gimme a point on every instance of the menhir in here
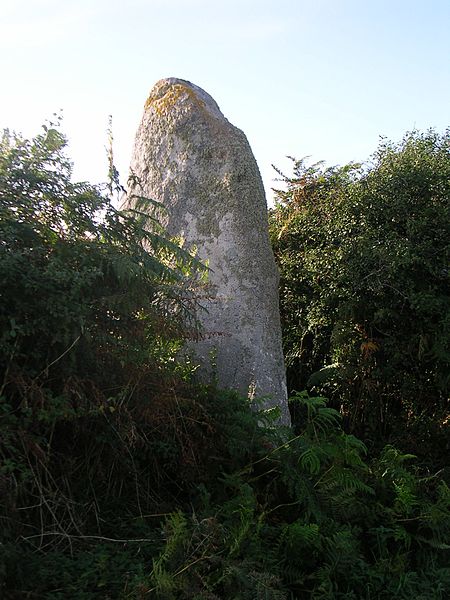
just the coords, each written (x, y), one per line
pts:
(191, 159)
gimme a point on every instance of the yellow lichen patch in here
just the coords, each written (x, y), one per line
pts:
(171, 97)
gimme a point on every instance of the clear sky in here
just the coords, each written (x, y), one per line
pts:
(323, 78)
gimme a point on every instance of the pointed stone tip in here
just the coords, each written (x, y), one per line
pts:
(172, 90)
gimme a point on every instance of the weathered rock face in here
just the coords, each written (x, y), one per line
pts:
(189, 157)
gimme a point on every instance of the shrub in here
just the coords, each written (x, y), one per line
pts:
(364, 259)
(93, 305)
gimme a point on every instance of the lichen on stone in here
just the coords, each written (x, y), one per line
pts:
(175, 93)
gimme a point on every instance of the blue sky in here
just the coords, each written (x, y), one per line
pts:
(323, 78)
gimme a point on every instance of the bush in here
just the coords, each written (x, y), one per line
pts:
(364, 259)
(93, 305)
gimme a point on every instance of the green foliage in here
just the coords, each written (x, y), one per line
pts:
(251, 525)
(120, 479)
(364, 260)
(94, 302)
(258, 534)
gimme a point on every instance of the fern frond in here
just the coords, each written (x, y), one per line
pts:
(310, 461)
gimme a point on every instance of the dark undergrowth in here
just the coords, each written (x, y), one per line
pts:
(200, 497)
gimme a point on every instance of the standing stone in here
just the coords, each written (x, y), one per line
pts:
(190, 158)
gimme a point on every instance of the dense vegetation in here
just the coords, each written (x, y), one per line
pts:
(364, 256)
(122, 479)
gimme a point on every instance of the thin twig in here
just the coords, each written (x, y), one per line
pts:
(59, 357)
(5, 378)
(185, 568)
(88, 537)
